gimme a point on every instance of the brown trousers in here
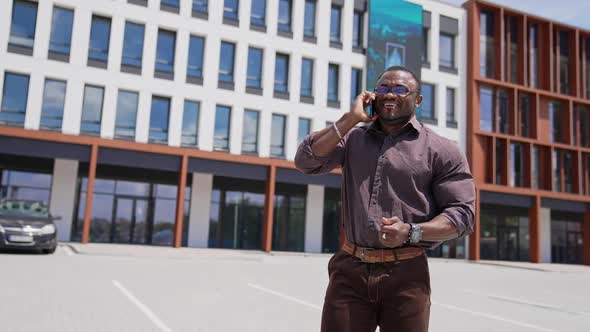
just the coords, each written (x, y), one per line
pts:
(361, 296)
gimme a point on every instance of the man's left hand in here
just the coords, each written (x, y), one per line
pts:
(394, 232)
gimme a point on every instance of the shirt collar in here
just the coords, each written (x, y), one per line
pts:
(413, 122)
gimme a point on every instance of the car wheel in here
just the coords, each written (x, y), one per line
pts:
(49, 251)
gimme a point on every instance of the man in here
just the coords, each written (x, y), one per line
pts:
(404, 189)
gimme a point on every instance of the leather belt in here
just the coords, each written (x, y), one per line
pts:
(373, 255)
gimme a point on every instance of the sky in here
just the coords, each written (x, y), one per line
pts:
(570, 12)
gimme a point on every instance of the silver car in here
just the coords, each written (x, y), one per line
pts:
(27, 225)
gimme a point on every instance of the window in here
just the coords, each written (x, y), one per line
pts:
(127, 102)
(584, 115)
(254, 76)
(451, 120)
(226, 62)
(516, 165)
(60, 40)
(563, 61)
(230, 10)
(333, 78)
(165, 53)
(258, 13)
(52, 110)
(277, 136)
(587, 46)
(250, 132)
(486, 44)
(133, 45)
(92, 110)
(512, 44)
(535, 163)
(196, 48)
(425, 61)
(282, 73)
(170, 5)
(221, 134)
(190, 123)
(14, 99)
(427, 112)
(447, 51)
(533, 56)
(307, 77)
(284, 23)
(557, 161)
(98, 51)
(356, 83)
(500, 160)
(357, 30)
(200, 9)
(25, 185)
(524, 108)
(159, 117)
(22, 29)
(567, 170)
(335, 18)
(309, 19)
(304, 129)
(503, 111)
(556, 118)
(486, 109)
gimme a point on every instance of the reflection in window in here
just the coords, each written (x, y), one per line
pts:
(284, 22)
(567, 240)
(425, 32)
(567, 170)
(62, 21)
(230, 9)
(159, 117)
(52, 109)
(533, 55)
(587, 46)
(536, 165)
(289, 219)
(309, 18)
(221, 133)
(201, 6)
(500, 160)
(100, 32)
(226, 62)
(447, 50)
(277, 136)
(133, 45)
(512, 48)
(331, 220)
(25, 186)
(195, 56)
(254, 76)
(14, 99)
(333, 82)
(335, 17)
(92, 110)
(165, 51)
(356, 83)
(303, 130)
(190, 123)
(556, 167)
(504, 232)
(258, 13)
(127, 103)
(556, 118)
(584, 115)
(486, 109)
(503, 111)
(524, 108)
(357, 29)
(562, 60)
(24, 21)
(282, 73)
(307, 77)
(486, 44)
(451, 107)
(170, 3)
(427, 111)
(250, 132)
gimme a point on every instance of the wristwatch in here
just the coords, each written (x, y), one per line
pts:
(415, 234)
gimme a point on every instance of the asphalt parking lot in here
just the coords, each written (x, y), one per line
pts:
(135, 288)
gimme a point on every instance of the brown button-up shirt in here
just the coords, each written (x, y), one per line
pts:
(413, 174)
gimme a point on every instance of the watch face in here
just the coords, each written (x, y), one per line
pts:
(416, 234)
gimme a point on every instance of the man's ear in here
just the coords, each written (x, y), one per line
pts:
(419, 100)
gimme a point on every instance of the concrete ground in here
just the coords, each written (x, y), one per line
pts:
(103, 287)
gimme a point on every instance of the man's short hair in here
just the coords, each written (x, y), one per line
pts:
(402, 68)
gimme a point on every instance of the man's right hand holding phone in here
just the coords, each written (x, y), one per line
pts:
(359, 107)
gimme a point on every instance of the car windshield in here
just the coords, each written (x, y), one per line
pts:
(26, 209)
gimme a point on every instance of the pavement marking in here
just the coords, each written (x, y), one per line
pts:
(521, 301)
(482, 314)
(150, 314)
(285, 296)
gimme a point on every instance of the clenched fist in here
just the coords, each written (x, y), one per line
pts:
(394, 232)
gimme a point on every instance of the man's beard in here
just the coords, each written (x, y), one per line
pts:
(395, 119)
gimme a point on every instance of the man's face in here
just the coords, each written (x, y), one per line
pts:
(393, 108)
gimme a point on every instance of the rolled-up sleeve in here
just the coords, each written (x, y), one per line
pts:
(453, 188)
(307, 162)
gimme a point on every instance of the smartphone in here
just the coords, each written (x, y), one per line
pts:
(373, 109)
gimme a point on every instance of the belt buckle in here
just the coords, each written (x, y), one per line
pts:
(362, 252)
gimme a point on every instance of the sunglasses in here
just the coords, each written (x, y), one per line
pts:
(400, 90)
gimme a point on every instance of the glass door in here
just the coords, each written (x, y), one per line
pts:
(508, 243)
(130, 222)
(140, 221)
(574, 247)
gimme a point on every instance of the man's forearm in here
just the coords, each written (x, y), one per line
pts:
(438, 229)
(326, 140)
